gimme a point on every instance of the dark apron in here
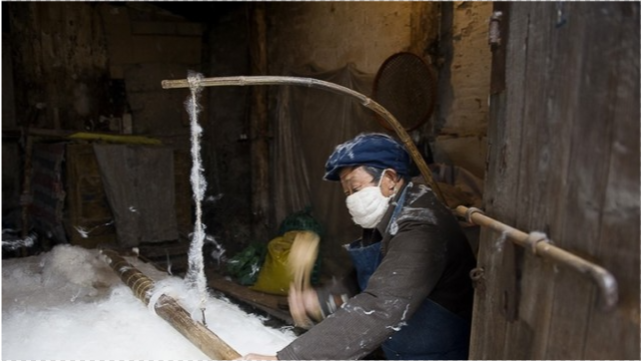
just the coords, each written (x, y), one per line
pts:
(432, 333)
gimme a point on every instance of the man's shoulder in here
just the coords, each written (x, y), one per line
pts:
(418, 205)
(419, 195)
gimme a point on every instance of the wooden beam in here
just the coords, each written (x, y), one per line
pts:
(170, 310)
(270, 304)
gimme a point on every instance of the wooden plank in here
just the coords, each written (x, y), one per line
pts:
(163, 249)
(570, 183)
(259, 126)
(271, 304)
(545, 154)
(504, 136)
(86, 203)
(9, 120)
(615, 335)
(500, 13)
(161, 48)
(184, 210)
(169, 256)
(10, 180)
(583, 193)
(562, 101)
(166, 28)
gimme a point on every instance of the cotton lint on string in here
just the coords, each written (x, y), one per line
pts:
(196, 272)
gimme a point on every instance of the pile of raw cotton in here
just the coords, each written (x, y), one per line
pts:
(68, 304)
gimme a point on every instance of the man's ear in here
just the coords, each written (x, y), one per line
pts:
(392, 178)
(391, 174)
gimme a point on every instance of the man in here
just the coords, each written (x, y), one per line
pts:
(411, 267)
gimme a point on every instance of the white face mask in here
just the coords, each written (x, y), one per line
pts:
(368, 205)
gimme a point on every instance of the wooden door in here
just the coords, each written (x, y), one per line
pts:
(564, 160)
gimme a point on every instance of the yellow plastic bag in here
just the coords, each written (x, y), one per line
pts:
(274, 277)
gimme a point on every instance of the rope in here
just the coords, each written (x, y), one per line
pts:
(534, 238)
(469, 212)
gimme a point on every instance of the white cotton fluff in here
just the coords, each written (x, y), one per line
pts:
(77, 268)
(40, 320)
(12, 241)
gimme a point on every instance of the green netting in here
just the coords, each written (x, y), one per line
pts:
(301, 221)
(245, 265)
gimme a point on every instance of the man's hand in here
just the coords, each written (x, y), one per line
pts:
(303, 304)
(255, 356)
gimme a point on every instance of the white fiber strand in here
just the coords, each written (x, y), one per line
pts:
(11, 242)
(196, 274)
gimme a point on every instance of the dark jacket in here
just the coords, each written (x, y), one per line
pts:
(425, 254)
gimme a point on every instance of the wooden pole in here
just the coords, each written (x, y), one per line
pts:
(259, 126)
(604, 280)
(335, 88)
(170, 310)
(26, 199)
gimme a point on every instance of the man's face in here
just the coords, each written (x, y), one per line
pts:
(354, 179)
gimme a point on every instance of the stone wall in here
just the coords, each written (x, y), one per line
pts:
(462, 114)
(331, 34)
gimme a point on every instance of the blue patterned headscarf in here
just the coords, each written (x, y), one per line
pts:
(369, 149)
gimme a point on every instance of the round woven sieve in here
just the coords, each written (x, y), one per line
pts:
(406, 87)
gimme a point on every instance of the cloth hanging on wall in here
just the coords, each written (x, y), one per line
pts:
(46, 211)
(310, 123)
(139, 183)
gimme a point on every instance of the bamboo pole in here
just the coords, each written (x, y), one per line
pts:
(335, 88)
(604, 280)
(170, 310)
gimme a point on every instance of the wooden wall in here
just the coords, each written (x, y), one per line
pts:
(59, 60)
(564, 160)
(226, 124)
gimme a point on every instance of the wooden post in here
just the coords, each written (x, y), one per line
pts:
(170, 310)
(26, 199)
(259, 127)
